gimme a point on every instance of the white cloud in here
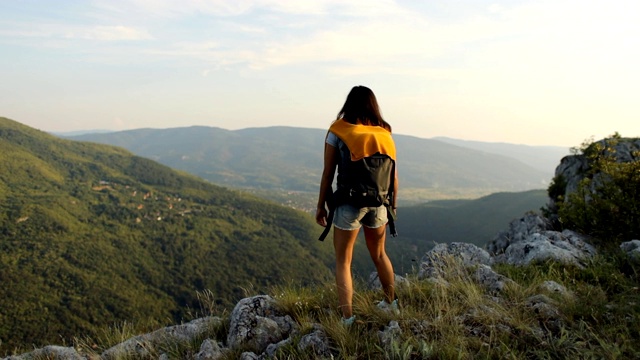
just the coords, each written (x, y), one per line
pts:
(172, 8)
(108, 33)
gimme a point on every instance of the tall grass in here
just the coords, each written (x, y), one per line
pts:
(453, 317)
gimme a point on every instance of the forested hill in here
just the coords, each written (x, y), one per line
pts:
(91, 235)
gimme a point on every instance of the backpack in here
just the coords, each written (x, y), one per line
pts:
(367, 182)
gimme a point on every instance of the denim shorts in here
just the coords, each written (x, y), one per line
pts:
(347, 217)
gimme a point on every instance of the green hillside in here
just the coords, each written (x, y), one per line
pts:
(91, 235)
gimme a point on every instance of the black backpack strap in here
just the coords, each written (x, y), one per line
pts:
(332, 202)
(391, 212)
(391, 216)
(328, 227)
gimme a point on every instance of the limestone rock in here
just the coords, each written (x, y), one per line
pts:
(144, 345)
(567, 247)
(519, 230)
(552, 287)
(546, 311)
(573, 168)
(256, 323)
(433, 263)
(209, 350)
(271, 350)
(51, 352)
(374, 281)
(390, 333)
(249, 356)
(631, 248)
(492, 281)
(316, 342)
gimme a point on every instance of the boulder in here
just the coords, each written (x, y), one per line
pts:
(631, 248)
(316, 342)
(272, 349)
(491, 280)
(144, 345)
(209, 350)
(391, 333)
(434, 263)
(567, 247)
(51, 352)
(519, 230)
(248, 355)
(256, 323)
(574, 168)
(374, 281)
(552, 287)
(546, 311)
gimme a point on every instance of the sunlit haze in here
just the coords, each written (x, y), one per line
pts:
(529, 72)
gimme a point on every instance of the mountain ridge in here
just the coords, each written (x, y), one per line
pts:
(290, 158)
(541, 157)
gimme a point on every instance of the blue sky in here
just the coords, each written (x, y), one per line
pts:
(531, 72)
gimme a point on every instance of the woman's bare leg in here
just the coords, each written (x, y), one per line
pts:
(343, 242)
(375, 243)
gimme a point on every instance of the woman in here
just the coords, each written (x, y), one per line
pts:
(360, 124)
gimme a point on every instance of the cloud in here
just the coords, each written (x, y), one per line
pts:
(51, 30)
(108, 33)
(364, 36)
(178, 8)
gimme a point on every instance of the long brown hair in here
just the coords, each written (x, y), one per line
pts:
(361, 106)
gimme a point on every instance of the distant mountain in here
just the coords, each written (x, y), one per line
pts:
(543, 158)
(81, 132)
(92, 235)
(291, 159)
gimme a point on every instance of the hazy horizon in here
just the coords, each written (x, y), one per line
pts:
(98, 131)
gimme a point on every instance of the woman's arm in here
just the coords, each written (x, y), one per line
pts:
(330, 163)
(394, 204)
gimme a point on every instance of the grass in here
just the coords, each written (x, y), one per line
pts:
(454, 318)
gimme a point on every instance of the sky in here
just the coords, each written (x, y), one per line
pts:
(526, 72)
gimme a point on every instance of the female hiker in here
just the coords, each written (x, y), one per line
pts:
(358, 133)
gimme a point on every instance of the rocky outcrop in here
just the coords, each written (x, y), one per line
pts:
(631, 248)
(50, 352)
(518, 231)
(259, 329)
(434, 263)
(256, 323)
(316, 342)
(573, 168)
(374, 281)
(144, 346)
(530, 239)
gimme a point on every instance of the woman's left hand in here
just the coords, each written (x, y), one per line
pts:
(321, 216)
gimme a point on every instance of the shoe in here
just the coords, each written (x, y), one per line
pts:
(390, 308)
(348, 322)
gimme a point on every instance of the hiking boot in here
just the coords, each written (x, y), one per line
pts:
(348, 322)
(389, 308)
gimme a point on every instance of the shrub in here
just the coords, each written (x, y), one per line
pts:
(606, 204)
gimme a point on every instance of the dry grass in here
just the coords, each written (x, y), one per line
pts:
(454, 317)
